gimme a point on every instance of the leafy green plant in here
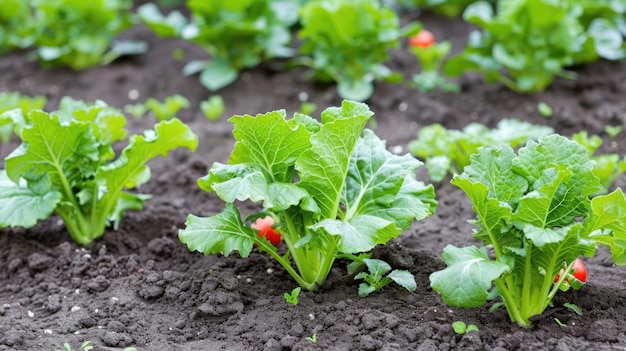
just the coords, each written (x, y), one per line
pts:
(461, 328)
(348, 42)
(534, 213)
(66, 165)
(17, 27)
(213, 108)
(376, 277)
(237, 34)
(80, 34)
(448, 150)
(292, 297)
(431, 55)
(13, 100)
(525, 44)
(331, 187)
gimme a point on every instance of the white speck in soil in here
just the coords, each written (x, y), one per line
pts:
(303, 96)
(270, 271)
(311, 316)
(77, 291)
(31, 314)
(133, 94)
(48, 331)
(75, 308)
(397, 149)
(248, 280)
(403, 106)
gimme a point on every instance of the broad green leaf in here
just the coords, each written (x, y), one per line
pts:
(164, 26)
(467, 280)
(218, 74)
(49, 147)
(21, 206)
(222, 233)
(323, 167)
(374, 176)
(609, 211)
(548, 205)
(382, 184)
(269, 143)
(360, 234)
(403, 278)
(130, 169)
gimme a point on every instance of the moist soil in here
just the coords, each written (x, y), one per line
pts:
(139, 286)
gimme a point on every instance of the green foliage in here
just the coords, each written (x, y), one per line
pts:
(167, 109)
(534, 212)
(525, 44)
(608, 166)
(15, 100)
(449, 8)
(79, 33)
(66, 164)
(448, 151)
(376, 277)
(461, 328)
(544, 109)
(349, 42)
(17, 27)
(431, 60)
(237, 34)
(292, 297)
(326, 201)
(213, 108)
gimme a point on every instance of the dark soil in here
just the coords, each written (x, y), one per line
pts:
(139, 286)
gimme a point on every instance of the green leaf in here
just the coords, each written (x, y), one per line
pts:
(374, 180)
(467, 280)
(323, 169)
(164, 26)
(361, 233)
(609, 211)
(222, 233)
(218, 74)
(53, 148)
(23, 207)
(403, 278)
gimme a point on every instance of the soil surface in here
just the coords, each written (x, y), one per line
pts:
(139, 286)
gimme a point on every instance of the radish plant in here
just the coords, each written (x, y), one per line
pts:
(66, 164)
(330, 187)
(534, 215)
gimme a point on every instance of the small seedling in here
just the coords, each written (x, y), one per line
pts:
(574, 308)
(292, 297)
(213, 108)
(558, 321)
(86, 346)
(461, 328)
(307, 108)
(612, 131)
(167, 109)
(374, 280)
(312, 338)
(544, 109)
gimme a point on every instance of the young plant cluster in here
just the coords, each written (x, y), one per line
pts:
(343, 41)
(66, 164)
(536, 218)
(74, 33)
(525, 44)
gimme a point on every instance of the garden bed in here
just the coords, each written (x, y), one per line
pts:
(139, 286)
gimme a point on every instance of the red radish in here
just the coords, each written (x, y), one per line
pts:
(423, 39)
(264, 226)
(579, 272)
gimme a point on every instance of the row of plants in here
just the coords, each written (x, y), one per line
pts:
(538, 211)
(523, 44)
